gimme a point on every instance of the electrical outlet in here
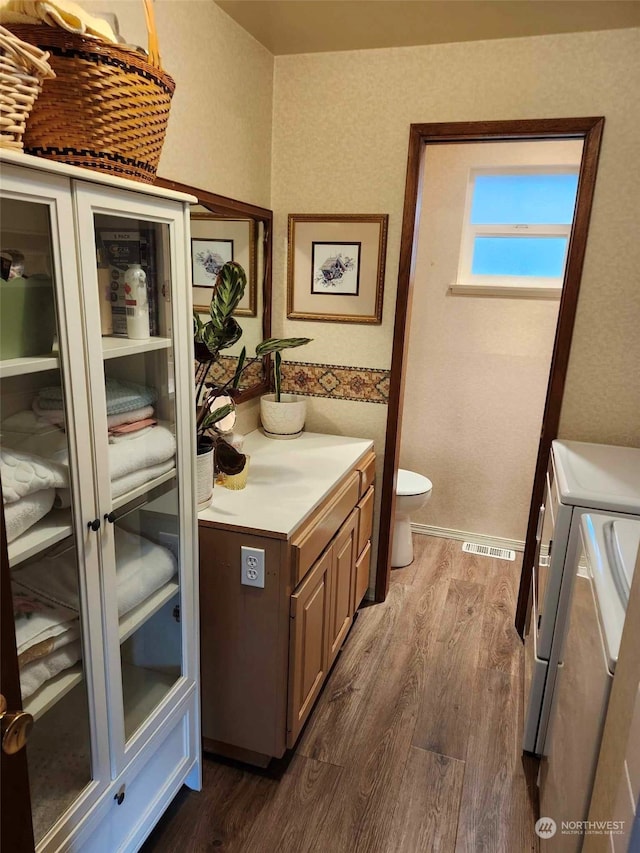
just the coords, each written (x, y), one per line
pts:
(252, 563)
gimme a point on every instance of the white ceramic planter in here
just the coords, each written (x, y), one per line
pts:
(204, 479)
(283, 420)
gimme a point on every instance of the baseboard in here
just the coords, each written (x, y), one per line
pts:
(463, 536)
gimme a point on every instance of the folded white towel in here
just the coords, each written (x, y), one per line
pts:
(33, 675)
(37, 618)
(132, 481)
(49, 441)
(25, 422)
(130, 436)
(157, 446)
(45, 647)
(24, 473)
(23, 514)
(142, 567)
(56, 13)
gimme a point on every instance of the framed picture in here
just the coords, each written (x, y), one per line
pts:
(336, 267)
(214, 241)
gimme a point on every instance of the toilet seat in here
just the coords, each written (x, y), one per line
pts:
(410, 483)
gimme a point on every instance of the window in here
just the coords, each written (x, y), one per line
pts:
(517, 227)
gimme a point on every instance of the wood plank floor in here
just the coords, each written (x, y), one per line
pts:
(414, 744)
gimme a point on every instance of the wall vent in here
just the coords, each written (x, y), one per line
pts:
(488, 551)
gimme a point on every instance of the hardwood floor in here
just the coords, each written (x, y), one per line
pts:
(414, 744)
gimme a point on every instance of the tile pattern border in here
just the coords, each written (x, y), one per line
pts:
(359, 384)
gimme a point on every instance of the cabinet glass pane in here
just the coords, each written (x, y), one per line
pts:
(137, 345)
(38, 506)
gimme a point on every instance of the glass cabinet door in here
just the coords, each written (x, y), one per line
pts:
(142, 422)
(48, 497)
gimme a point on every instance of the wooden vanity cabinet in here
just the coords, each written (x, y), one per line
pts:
(266, 653)
(309, 642)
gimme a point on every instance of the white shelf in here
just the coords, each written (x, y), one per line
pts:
(53, 528)
(118, 347)
(132, 620)
(28, 364)
(53, 690)
(143, 489)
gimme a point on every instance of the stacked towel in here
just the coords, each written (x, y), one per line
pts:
(142, 567)
(29, 484)
(23, 514)
(45, 596)
(123, 398)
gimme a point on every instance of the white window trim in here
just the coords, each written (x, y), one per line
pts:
(468, 282)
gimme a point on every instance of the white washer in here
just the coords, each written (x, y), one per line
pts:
(582, 478)
(583, 683)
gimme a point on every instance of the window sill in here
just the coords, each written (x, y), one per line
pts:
(506, 291)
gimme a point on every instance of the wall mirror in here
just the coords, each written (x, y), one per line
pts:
(223, 229)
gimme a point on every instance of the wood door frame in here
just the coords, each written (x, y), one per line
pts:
(590, 131)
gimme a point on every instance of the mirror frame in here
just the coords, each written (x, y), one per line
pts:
(232, 208)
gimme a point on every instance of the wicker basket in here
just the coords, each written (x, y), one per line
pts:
(106, 109)
(22, 71)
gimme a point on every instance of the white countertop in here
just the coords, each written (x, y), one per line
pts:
(287, 481)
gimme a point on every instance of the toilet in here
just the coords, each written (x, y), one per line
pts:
(412, 493)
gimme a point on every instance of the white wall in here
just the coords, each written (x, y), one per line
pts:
(478, 366)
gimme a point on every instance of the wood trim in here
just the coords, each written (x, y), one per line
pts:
(561, 350)
(590, 130)
(305, 646)
(367, 468)
(231, 207)
(311, 539)
(408, 243)
(16, 830)
(365, 519)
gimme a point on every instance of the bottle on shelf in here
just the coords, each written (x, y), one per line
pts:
(137, 302)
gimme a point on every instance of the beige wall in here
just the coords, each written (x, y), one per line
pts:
(340, 134)
(219, 135)
(478, 366)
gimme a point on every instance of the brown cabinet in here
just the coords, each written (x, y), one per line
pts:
(342, 583)
(309, 643)
(266, 652)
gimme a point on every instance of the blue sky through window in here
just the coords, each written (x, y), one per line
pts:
(522, 256)
(524, 199)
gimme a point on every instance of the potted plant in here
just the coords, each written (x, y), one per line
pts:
(215, 407)
(282, 415)
(215, 410)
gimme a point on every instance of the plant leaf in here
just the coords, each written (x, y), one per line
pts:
(277, 376)
(278, 344)
(239, 368)
(228, 291)
(215, 416)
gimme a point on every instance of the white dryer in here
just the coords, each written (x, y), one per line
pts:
(581, 478)
(584, 676)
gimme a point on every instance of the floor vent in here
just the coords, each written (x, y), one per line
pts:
(488, 551)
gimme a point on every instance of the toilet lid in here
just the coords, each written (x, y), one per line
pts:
(410, 483)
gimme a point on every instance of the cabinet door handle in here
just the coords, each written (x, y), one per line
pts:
(94, 525)
(110, 517)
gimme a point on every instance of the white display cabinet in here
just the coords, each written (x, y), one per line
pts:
(95, 427)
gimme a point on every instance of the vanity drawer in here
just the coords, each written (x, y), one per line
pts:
(311, 541)
(362, 575)
(365, 519)
(367, 469)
